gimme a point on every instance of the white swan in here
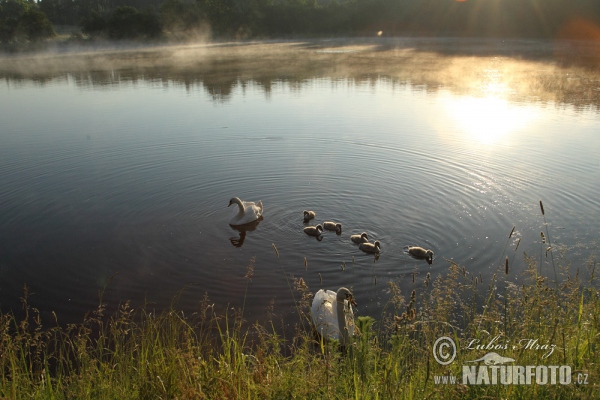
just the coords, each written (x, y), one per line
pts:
(313, 230)
(370, 247)
(332, 313)
(419, 252)
(308, 215)
(248, 211)
(333, 226)
(362, 238)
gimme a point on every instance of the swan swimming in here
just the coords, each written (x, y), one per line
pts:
(333, 226)
(313, 230)
(248, 211)
(308, 215)
(421, 253)
(370, 247)
(330, 311)
(362, 238)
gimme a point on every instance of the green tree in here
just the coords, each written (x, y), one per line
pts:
(21, 19)
(93, 25)
(178, 16)
(35, 26)
(10, 12)
(127, 22)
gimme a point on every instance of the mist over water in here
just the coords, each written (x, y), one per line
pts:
(117, 168)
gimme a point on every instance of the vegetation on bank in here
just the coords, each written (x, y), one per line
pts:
(140, 354)
(23, 21)
(29, 20)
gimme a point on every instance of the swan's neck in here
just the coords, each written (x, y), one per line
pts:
(240, 206)
(342, 322)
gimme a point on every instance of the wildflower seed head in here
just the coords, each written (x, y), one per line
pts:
(250, 269)
(302, 284)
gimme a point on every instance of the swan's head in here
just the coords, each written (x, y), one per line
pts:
(305, 213)
(429, 253)
(338, 227)
(377, 244)
(319, 228)
(345, 294)
(364, 236)
(234, 200)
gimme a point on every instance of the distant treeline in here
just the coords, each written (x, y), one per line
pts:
(127, 19)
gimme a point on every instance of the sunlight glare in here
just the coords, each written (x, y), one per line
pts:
(487, 120)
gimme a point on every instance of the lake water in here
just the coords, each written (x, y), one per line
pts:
(117, 168)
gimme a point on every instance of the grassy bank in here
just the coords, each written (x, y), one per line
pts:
(139, 354)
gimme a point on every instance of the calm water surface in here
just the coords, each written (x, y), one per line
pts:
(117, 168)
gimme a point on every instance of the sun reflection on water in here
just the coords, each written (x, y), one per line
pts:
(488, 120)
(488, 117)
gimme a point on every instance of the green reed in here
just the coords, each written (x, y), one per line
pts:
(139, 354)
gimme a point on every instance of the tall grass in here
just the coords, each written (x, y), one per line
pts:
(139, 354)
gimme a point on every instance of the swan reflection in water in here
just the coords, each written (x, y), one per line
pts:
(242, 229)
